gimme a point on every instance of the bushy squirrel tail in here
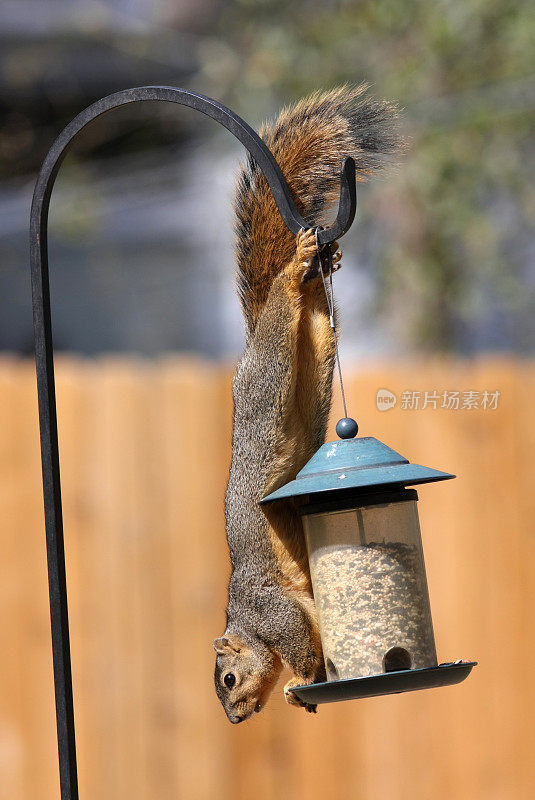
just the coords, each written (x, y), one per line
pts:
(309, 140)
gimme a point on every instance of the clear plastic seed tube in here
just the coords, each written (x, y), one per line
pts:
(370, 589)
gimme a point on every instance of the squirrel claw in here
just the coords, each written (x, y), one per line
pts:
(337, 257)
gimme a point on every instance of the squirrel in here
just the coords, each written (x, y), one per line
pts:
(282, 391)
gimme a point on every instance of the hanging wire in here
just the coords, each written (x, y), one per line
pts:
(329, 295)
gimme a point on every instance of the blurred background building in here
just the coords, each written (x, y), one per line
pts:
(442, 255)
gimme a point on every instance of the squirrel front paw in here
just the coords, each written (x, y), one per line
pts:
(337, 257)
(292, 698)
(306, 262)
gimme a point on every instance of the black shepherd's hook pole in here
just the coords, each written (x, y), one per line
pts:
(45, 360)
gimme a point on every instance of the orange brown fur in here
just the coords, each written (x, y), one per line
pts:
(310, 141)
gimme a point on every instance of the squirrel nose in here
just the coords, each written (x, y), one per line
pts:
(235, 720)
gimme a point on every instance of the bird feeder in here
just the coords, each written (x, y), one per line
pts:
(367, 569)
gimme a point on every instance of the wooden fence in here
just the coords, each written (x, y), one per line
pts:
(145, 452)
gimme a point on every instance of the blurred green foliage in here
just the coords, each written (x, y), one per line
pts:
(457, 217)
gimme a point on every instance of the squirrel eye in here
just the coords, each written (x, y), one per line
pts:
(229, 680)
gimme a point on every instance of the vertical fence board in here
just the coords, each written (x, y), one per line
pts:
(145, 451)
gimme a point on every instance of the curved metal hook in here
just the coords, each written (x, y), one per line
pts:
(235, 124)
(347, 206)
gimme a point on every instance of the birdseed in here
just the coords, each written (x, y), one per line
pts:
(371, 598)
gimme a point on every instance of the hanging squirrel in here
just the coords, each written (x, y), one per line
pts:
(282, 391)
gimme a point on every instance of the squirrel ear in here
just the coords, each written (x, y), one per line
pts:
(224, 644)
(221, 644)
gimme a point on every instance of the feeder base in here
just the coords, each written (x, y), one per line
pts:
(407, 680)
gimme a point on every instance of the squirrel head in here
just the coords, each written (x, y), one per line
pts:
(246, 671)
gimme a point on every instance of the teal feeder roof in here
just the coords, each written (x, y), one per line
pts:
(363, 463)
